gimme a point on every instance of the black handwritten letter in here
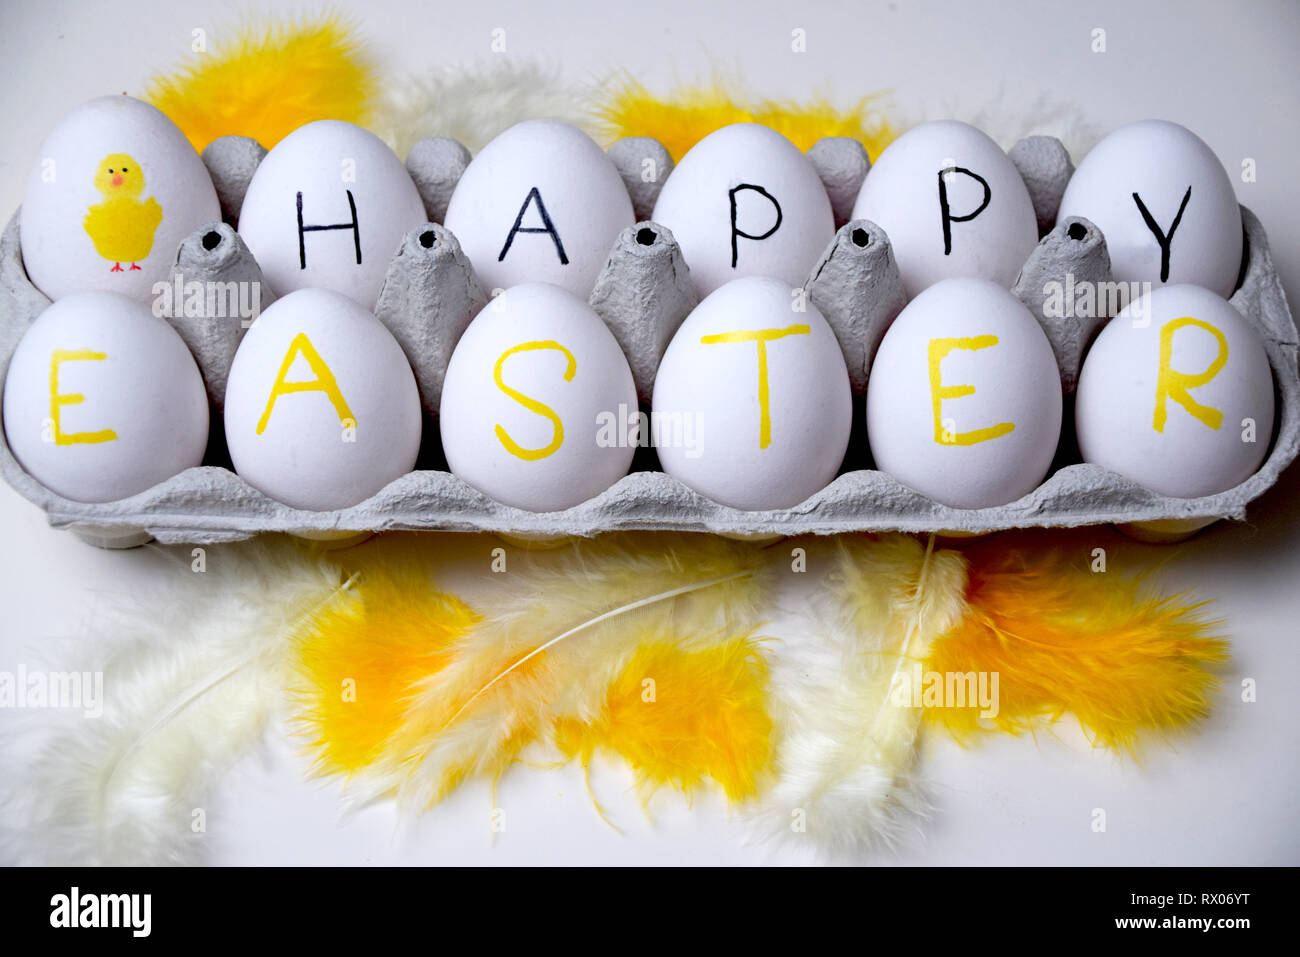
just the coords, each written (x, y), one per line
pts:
(946, 213)
(1165, 241)
(546, 227)
(736, 231)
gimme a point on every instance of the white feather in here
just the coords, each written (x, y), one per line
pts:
(846, 763)
(573, 617)
(475, 103)
(192, 675)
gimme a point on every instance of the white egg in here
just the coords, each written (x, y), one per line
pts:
(539, 409)
(541, 202)
(1164, 203)
(115, 188)
(952, 204)
(745, 202)
(322, 409)
(103, 400)
(1177, 394)
(964, 397)
(327, 208)
(752, 406)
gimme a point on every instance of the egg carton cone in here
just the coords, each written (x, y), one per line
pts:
(643, 293)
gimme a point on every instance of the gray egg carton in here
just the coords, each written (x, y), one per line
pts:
(430, 295)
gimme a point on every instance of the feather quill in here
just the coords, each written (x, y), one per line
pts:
(1061, 638)
(846, 763)
(549, 650)
(356, 659)
(192, 676)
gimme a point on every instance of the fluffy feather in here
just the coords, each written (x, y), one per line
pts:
(684, 713)
(1061, 638)
(551, 648)
(191, 678)
(846, 763)
(356, 660)
(474, 103)
(1010, 117)
(268, 81)
(688, 114)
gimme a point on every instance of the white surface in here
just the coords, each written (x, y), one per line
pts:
(1227, 795)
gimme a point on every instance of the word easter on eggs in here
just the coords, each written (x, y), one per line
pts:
(540, 203)
(321, 409)
(1176, 394)
(964, 396)
(751, 407)
(115, 188)
(532, 398)
(103, 400)
(327, 208)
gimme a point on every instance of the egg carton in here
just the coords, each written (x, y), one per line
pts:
(643, 293)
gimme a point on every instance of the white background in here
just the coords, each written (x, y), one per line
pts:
(1227, 795)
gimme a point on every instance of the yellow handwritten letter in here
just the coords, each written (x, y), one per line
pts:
(324, 382)
(938, 391)
(532, 405)
(1172, 384)
(761, 337)
(59, 400)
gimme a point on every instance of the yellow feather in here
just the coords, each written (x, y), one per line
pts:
(1063, 639)
(688, 114)
(548, 650)
(268, 81)
(683, 715)
(358, 658)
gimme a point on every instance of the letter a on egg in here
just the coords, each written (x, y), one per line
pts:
(324, 382)
(548, 227)
(760, 337)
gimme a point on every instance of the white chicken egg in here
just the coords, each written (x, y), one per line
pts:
(952, 204)
(752, 406)
(745, 202)
(322, 409)
(541, 202)
(103, 400)
(964, 397)
(1177, 394)
(1164, 203)
(539, 409)
(327, 208)
(115, 188)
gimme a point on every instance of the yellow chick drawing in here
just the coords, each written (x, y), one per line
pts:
(122, 226)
